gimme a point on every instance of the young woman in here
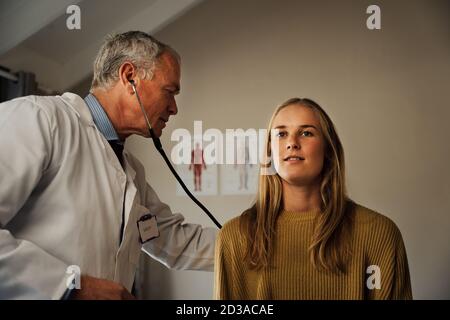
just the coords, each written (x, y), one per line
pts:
(304, 238)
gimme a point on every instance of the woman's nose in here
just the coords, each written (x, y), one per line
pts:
(292, 145)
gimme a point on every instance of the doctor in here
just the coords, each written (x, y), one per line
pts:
(71, 197)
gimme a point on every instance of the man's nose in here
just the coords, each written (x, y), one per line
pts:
(173, 108)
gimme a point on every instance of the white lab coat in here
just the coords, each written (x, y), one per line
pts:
(61, 199)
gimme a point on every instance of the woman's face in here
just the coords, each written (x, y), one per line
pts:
(297, 145)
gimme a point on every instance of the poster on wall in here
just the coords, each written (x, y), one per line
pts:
(200, 178)
(239, 179)
(200, 181)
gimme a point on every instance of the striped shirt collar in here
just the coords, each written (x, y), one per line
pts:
(101, 119)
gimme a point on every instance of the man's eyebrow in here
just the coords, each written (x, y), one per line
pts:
(304, 126)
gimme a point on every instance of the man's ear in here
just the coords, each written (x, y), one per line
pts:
(127, 72)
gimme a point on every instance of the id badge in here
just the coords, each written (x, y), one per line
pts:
(148, 228)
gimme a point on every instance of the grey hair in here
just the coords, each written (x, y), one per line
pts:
(137, 47)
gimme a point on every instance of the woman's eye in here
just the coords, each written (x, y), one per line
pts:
(307, 133)
(281, 134)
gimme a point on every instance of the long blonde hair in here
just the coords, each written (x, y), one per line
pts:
(328, 250)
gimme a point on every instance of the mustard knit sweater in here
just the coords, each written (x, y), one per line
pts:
(376, 240)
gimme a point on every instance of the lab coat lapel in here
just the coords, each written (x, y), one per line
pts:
(77, 104)
(131, 189)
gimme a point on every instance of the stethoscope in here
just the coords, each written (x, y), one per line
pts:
(160, 149)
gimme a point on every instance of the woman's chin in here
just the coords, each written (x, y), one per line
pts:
(299, 181)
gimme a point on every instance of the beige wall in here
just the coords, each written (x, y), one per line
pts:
(385, 90)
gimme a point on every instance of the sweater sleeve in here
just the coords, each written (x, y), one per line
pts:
(402, 283)
(221, 290)
(389, 254)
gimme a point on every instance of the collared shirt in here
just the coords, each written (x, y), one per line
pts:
(101, 119)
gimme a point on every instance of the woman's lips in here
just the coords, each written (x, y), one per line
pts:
(294, 159)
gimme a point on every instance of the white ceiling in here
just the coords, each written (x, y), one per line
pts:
(34, 36)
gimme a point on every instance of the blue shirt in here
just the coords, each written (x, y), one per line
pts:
(101, 119)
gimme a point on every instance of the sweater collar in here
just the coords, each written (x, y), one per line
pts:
(286, 215)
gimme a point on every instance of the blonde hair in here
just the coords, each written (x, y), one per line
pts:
(328, 250)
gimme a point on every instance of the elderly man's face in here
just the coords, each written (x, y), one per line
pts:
(158, 94)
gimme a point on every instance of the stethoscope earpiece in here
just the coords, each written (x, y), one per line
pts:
(131, 81)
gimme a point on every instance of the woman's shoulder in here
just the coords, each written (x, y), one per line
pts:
(368, 220)
(232, 224)
(230, 235)
(231, 228)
